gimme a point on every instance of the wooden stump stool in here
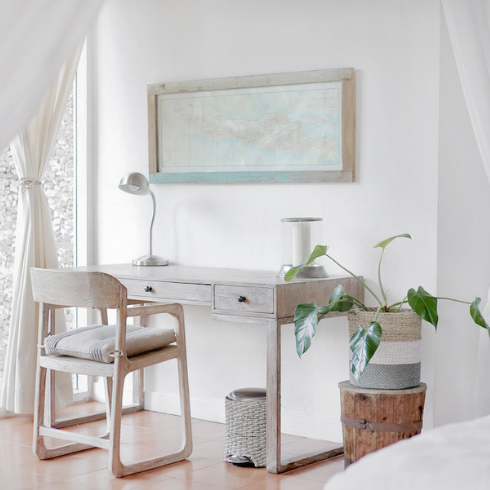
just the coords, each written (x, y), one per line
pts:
(372, 419)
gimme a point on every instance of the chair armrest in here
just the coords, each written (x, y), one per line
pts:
(154, 309)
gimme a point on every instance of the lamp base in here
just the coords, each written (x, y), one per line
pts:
(150, 260)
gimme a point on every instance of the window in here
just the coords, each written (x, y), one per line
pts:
(8, 213)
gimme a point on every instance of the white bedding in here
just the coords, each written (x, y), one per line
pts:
(453, 457)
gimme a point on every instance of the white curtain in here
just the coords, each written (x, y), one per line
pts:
(34, 246)
(37, 38)
(468, 24)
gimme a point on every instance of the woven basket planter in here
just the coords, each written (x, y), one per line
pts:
(396, 363)
(246, 430)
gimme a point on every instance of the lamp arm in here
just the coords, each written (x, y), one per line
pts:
(152, 220)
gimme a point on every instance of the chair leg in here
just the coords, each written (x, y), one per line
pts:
(116, 466)
(39, 448)
(185, 406)
(108, 402)
(50, 412)
(40, 399)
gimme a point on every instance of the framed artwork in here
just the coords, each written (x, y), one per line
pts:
(279, 128)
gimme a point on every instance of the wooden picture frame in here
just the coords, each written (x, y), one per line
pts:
(279, 128)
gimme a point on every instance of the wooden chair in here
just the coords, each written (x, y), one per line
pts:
(68, 352)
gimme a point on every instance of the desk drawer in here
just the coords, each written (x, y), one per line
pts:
(168, 291)
(244, 299)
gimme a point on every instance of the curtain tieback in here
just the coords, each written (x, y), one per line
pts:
(28, 183)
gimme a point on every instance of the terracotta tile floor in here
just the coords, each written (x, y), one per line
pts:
(144, 435)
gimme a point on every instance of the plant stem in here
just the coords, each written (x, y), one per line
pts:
(379, 278)
(357, 279)
(357, 302)
(399, 303)
(405, 300)
(456, 300)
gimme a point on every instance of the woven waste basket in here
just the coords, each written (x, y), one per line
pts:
(245, 442)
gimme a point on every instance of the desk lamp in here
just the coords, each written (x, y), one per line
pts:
(136, 183)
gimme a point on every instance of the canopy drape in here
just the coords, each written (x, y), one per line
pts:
(38, 37)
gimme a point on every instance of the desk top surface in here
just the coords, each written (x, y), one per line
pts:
(194, 275)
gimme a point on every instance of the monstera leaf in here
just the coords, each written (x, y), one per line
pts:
(363, 345)
(477, 316)
(424, 304)
(340, 301)
(305, 322)
(387, 241)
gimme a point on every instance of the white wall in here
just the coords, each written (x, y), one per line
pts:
(394, 48)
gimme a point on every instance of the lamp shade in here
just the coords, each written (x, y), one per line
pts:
(135, 183)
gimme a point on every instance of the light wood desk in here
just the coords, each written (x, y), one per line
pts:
(241, 296)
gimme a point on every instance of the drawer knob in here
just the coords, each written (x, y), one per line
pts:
(241, 299)
(148, 289)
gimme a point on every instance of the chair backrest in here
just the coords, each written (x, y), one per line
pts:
(78, 289)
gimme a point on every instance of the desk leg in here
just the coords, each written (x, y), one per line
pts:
(274, 461)
(273, 397)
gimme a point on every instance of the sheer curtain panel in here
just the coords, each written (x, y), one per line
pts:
(38, 37)
(34, 246)
(468, 23)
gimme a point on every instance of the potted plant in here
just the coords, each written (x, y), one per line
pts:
(367, 326)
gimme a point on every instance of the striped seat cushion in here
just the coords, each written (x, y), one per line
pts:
(96, 342)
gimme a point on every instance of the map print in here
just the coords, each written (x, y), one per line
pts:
(296, 127)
